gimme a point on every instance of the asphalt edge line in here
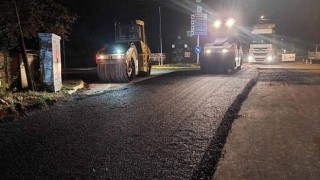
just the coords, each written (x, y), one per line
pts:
(208, 164)
(283, 68)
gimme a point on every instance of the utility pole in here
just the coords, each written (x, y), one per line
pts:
(198, 37)
(160, 36)
(24, 54)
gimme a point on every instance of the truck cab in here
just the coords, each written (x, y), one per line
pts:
(262, 49)
(314, 52)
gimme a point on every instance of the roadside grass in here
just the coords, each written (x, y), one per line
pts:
(15, 104)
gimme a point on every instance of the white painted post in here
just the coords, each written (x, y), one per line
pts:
(198, 44)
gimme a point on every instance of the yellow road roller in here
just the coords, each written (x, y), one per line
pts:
(128, 57)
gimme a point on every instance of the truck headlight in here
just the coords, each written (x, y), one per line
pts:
(230, 22)
(208, 51)
(270, 58)
(250, 58)
(224, 51)
(217, 23)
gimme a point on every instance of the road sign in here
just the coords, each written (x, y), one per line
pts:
(198, 21)
(199, 25)
(199, 16)
(199, 9)
(197, 49)
(199, 28)
(198, 33)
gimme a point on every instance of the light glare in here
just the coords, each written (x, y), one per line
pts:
(230, 22)
(217, 24)
(225, 50)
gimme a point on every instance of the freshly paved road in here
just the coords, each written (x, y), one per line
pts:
(158, 128)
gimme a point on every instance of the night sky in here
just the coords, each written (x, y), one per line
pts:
(295, 19)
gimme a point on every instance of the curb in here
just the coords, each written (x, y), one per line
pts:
(287, 68)
(173, 67)
(76, 87)
(208, 164)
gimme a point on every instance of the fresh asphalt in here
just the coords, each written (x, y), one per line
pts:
(165, 127)
(158, 128)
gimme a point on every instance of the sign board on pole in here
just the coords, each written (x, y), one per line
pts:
(199, 21)
(199, 9)
(199, 24)
(197, 49)
(199, 16)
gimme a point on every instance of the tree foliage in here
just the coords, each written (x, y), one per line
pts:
(48, 16)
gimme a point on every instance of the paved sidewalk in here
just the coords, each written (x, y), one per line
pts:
(276, 137)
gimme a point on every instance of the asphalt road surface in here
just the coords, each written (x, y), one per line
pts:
(158, 128)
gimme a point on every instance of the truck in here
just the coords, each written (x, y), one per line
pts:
(128, 57)
(314, 52)
(262, 48)
(222, 53)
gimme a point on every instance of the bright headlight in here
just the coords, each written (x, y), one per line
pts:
(100, 56)
(270, 58)
(217, 23)
(208, 51)
(119, 51)
(225, 50)
(230, 22)
(250, 58)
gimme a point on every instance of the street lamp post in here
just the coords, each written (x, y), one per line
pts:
(160, 36)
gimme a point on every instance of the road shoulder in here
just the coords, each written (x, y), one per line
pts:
(276, 136)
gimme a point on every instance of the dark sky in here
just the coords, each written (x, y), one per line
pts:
(295, 19)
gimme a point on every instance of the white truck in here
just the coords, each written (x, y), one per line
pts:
(314, 52)
(262, 49)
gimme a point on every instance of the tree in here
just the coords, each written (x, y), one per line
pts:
(35, 16)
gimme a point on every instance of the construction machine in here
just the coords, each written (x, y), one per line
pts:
(128, 57)
(223, 52)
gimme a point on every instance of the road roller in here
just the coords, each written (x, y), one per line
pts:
(128, 57)
(223, 53)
